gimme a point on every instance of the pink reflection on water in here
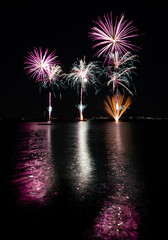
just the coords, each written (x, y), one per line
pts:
(118, 218)
(35, 176)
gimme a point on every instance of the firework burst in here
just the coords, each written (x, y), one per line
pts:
(116, 106)
(121, 78)
(45, 69)
(119, 72)
(83, 74)
(38, 64)
(52, 77)
(122, 61)
(113, 36)
(80, 76)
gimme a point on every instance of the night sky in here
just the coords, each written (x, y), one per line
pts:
(64, 27)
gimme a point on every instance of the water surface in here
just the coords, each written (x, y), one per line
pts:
(84, 180)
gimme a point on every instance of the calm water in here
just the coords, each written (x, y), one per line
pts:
(84, 180)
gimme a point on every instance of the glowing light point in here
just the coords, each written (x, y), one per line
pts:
(50, 109)
(81, 117)
(117, 107)
(85, 80)
(81, 107)
(116, 119)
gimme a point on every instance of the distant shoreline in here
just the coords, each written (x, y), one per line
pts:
(101, 119)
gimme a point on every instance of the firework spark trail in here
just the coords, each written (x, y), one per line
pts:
(38, 63)
(49, 108)
(83, 73)
(119, 78)
(53, 71)
(52, 77)
(119, 71)
(119, 61)
(52, 80)
(123, 104)
(110, 107)
(113, 36)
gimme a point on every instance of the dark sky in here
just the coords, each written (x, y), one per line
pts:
(64, 27)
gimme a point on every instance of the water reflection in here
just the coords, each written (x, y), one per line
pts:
(82, 165)
(118, 218)
(34, 172)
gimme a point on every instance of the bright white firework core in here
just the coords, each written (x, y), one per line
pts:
(50, 109)
(85, 79)
(117, 106)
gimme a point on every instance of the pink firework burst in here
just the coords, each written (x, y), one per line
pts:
(113, 36)
(38, 63)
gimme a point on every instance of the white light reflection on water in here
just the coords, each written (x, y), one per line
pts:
(118, 218)
(35, 175)
(82, 165)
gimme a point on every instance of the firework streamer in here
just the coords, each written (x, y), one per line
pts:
(80, 76)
